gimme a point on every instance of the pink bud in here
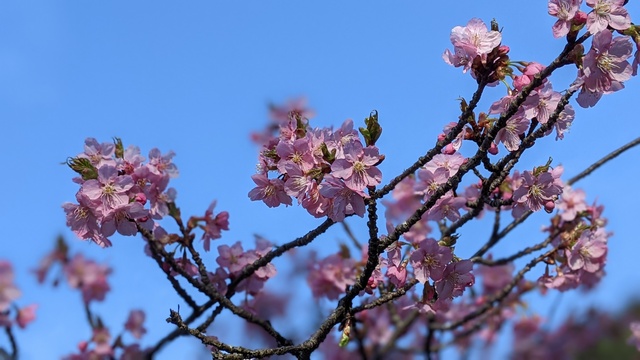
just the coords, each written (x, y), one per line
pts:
(504, 49)
(141, 198)
(549, 206)
(449, 150)
(493, 149)
(580, 18)
(82, 346)
(520, 82)
(441, 137)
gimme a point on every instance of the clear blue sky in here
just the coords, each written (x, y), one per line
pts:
(196, 78)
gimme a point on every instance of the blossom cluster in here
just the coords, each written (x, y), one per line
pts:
(474, 44)
(91, 280)
(332, 173)
(605, 67)
(578, 230)
(326, 170)
(116, 186)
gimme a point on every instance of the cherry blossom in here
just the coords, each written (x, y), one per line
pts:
(607, 13)
(456, 277)
(564, 10)
(535, 191)
(213, 225)
(588, 252)
(271, 191)
(510, 134)
(470, 41)
(134, 323)
(330, 276)
(357, 169)
(344, 201)
(430, 260)
(605, 68)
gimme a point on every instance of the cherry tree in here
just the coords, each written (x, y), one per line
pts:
(404, 288)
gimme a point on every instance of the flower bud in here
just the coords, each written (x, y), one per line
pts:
(449, 149)
(493, 149)
(549, 206)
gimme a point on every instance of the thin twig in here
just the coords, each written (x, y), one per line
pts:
(603, 161)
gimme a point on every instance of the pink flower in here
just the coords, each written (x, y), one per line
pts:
(470, 41)
(396, 268)
(134, 323)
(430, 181)
(161, 164)
(564, 10)
(534, 192)
(131, 160)
(89, 277)
(345, 201)
(316, 204)
(330, 276)
(607, 13)
(98, 154)
(588, 253)
(429, 260)
(26, 315)
(564, 121)
(232, 257)
(299, 153)
(510, 134)
(605, 68)
(123, 219)
(298, 184)
(541, 103)
(451, 163)
(271, 191)
(342, 138)
(606, 62)
(8, 291)
(458, 58)
(83, 222)
(133, 352)
(571, 203)
(214, 225)
(475, 38)
(110, 189)
(357, 168)
(457, 141)
(528, 73)
(455, 278)
(447, 207)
